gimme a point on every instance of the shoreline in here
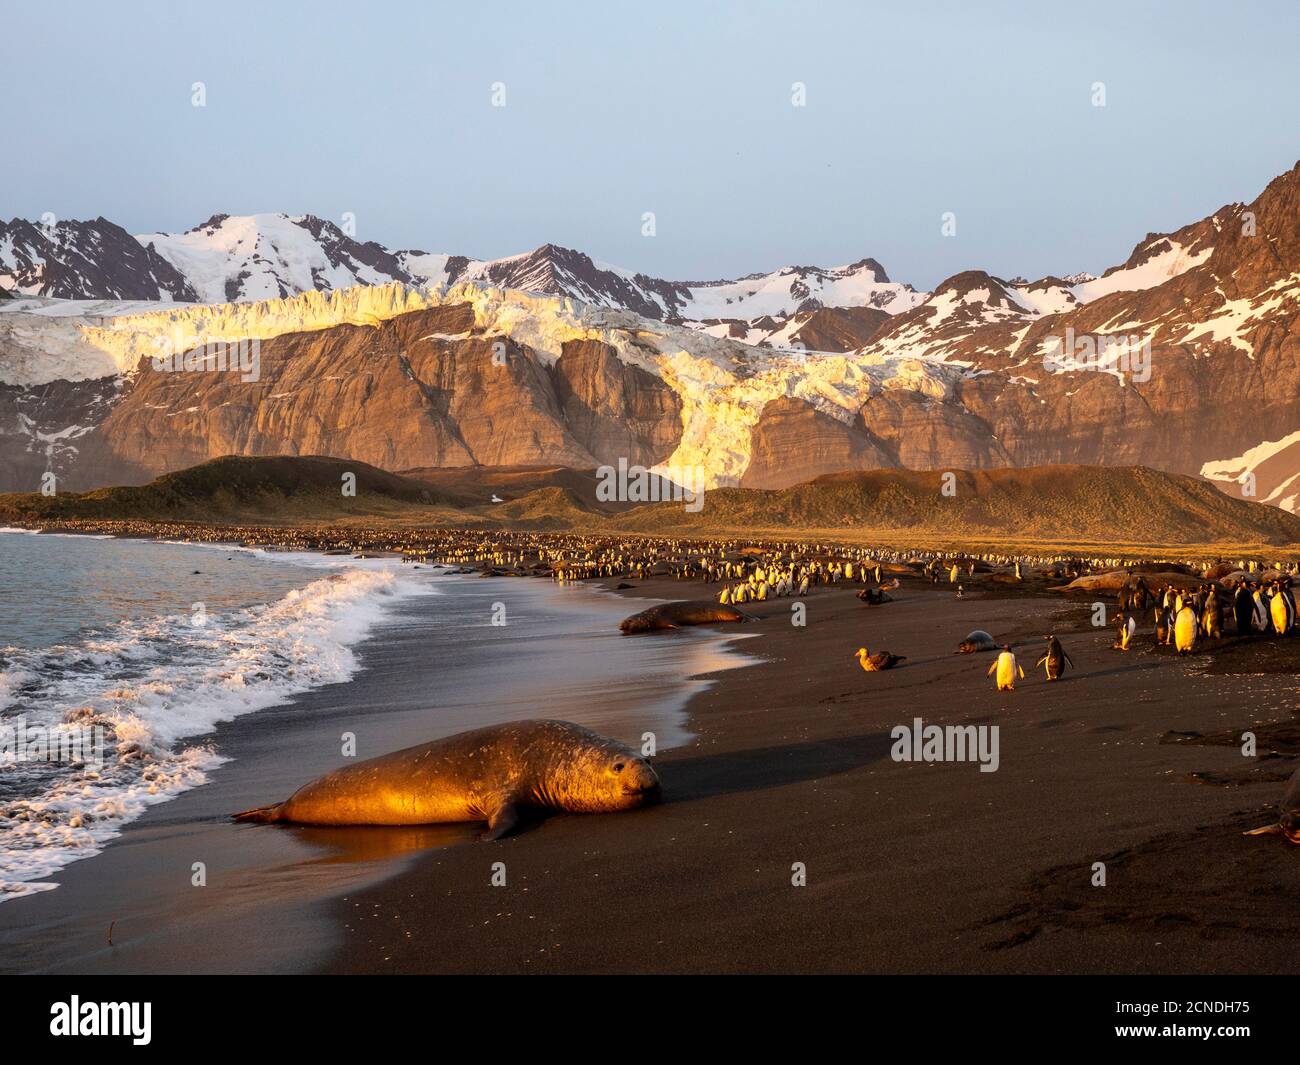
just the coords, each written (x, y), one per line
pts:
(916, 868)
(278, 882)
(385, 533)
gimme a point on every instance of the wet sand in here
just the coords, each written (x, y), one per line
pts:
(1131, 760)
(435, 668)
(910, 867)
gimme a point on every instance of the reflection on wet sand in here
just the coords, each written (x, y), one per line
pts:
(346, 844)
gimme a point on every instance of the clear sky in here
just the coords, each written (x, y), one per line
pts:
(684, 109)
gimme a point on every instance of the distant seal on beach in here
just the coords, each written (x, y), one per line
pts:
(489, 774)
(1288, 822)
(675, 615)
(979, 640)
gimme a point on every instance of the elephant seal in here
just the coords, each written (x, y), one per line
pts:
(675, 615)
(979, 640)
(489, 774)
(1288, 822)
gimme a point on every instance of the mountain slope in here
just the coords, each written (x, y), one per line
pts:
(267, 256)
(234, 488)
(1133, 505)
(80, 260)
(270, 255)
(974, 375)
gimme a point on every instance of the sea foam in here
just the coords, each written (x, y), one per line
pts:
(157, 686)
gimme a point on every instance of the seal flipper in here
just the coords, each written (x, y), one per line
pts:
(502, 821)
(261, 814)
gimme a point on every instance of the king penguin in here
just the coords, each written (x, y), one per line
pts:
(1185, 630)
(1278, 612)
(1127, 627)
(1006, 669)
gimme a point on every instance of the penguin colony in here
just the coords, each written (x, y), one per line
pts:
(1204, 605)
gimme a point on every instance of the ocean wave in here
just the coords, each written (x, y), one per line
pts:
(153, 688)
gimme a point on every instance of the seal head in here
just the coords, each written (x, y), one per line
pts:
(601, 778)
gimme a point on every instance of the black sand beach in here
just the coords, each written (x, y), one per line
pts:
(910, 867)
(1130, 760)
(560, 655)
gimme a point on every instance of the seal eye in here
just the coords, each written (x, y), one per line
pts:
(618, 767)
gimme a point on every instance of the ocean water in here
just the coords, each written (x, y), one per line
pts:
(118, 658)
(121, 661)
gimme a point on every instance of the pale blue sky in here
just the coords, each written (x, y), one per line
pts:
(683, 109)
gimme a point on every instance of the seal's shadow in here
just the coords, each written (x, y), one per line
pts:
(760, 768)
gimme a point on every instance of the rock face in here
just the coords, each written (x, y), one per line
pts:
(793, 442)
(923, 434)
(1184, 358)
(1224, 349)
(613, 409)
(44, 427)
(836, 328)
(417, 390)
(395, 395)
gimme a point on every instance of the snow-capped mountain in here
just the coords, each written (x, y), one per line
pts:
(80, 260)
(266, 256)
(401, 374)
(269, 256)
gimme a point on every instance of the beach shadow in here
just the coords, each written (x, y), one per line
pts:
(1134, 667)
(761, 768)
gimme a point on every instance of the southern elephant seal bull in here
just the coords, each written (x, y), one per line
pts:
(675, 615)
(489, 774)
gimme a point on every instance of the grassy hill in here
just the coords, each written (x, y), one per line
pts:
(1130, 504)
(236, 489)
(1056, 506)
(472, 486)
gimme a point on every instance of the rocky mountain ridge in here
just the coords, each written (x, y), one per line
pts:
(974, 375)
